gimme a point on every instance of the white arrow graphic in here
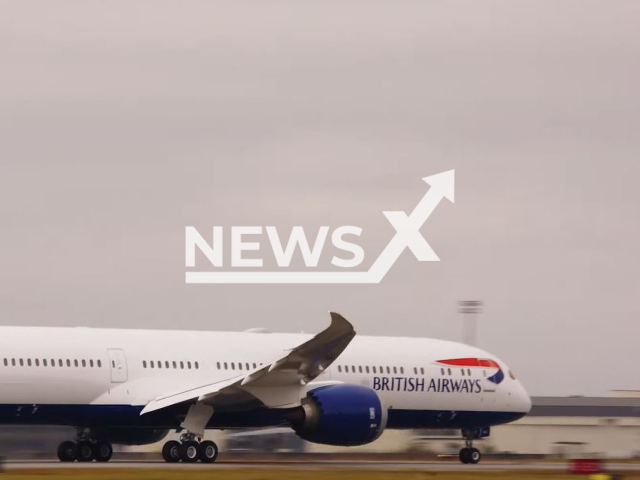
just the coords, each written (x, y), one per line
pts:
(407, 235)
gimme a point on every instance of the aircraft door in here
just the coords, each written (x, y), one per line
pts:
(117, 365)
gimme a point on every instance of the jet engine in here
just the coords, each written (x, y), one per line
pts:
(340, 415)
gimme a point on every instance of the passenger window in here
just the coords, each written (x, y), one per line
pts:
(360, 368)
(239, 365)
(388, 370)
(254, 365)
(151, 364)
(218, 365)
(395, 370)
(233, 366)
(75, 362)
(144, 364)
(246, 364)
(189, 365)
(13, 362)
(99, 364)
(374, 369)
(6, 362)
(366, 369)
(175, 365)
(182, 365)
(402, 370)
(84, 362)
(463, 372)
(339, 369)
(37, 362)
(353, 369)
(21, 363)
(91, 363)
(415, 370)
(196, 365)
(469, 371)
(421, 370)
(449, 371)
(28, 362)
(484, 373)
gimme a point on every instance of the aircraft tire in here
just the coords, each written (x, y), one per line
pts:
(171, 451)
(464, 455)
(67, 451)
(102, 451)
(189, 451)
(84, 451)
(208, 451)
(474, 456)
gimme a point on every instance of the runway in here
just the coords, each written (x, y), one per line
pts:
(306, 465)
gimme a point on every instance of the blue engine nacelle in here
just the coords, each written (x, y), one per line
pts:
(341, 415)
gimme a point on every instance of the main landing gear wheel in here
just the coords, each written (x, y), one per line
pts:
(102, 451)
(470, 455)
(189, 451)
(84, 451)
(171, 451)
(208, 452)
(67, 451)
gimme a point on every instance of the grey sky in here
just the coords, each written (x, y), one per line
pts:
(123, 122)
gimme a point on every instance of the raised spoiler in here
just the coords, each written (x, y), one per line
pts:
(300, 366)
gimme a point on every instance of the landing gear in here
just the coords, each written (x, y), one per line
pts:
(470, 455)
(189, 451)
(85, 451)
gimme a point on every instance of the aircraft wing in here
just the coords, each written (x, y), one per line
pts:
(278, 381)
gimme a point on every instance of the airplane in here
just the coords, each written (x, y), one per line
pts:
(131, 387)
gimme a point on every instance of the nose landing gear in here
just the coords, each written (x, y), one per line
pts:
(469, 454)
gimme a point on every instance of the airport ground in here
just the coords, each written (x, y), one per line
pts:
(309, 470)
(210, 473)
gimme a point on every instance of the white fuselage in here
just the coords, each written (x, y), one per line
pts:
(67, 367)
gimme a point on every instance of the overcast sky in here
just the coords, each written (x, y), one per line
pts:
(123, 122)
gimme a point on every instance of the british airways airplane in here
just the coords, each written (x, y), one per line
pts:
(133, 386)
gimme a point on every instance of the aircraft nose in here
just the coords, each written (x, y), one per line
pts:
(524, 400)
